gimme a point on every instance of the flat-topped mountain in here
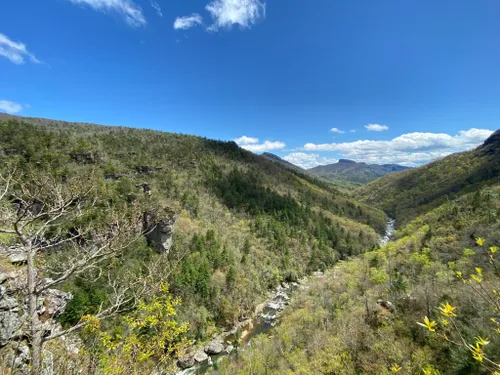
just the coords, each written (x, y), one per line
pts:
(349, 172)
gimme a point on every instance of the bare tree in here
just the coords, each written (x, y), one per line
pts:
(44, 214)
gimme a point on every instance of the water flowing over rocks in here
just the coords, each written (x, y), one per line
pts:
(265, 317)
(389, 231)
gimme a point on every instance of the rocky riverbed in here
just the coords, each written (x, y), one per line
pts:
(198, 360)
(389, 232)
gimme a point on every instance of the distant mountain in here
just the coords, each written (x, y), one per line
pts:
(349, 172)
(411, 193)
(276, 159)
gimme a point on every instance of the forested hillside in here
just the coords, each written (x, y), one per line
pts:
(276, 159)
(426, 303)
(349, 173)
(146, 209)
(407, 194)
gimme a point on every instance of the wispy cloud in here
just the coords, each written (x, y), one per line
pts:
(157, 7)
(226, 13)
(376, 127)
(252, 144)
(407, 149)
(130, 11)
(308, 161)
(337, 130)
(187, 22)
(10, 107)
(16, 52)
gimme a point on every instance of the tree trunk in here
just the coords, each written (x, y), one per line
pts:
(34, 322)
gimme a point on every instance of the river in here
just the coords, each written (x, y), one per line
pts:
(265, 319)
(389, 231)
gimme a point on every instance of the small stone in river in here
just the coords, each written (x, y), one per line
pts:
(201, 357)
(214, 348)
(185, 361)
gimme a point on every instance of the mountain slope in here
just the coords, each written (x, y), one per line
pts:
(349, 172)
(242, 223)
(276, 159)
(361, 317)
(407, 194)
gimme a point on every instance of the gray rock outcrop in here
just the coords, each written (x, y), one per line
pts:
(159, 232)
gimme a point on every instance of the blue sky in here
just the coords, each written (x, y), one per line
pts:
(382, 81)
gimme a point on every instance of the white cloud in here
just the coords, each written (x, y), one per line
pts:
(376, 127)
(337, 130)
(187, 22)
(407, 149)
(16, 52)
(352, 131)
(156, 7)
(10, 107)
(308, 161)
(130, 11)
(244, 140)
(266, 146)
(226, 13)
(252, 144)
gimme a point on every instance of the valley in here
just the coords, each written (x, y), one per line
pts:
(149, 250)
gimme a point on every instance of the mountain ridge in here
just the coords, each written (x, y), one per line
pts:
(410, 193)
(349, 172)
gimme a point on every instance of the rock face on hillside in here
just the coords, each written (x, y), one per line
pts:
(159, 232)
(14, 316)
(14, 309)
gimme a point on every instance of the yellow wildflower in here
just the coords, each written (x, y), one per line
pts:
(480, 241)
(447, 310)
(395, 368)
(481, 342)
(429, 324)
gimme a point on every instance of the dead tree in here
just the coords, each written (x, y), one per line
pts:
(43, 214)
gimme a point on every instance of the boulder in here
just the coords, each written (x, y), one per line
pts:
(201, 357)
(18, 258)
(229, 349)
(3, 277)
(186, 361)
(214, 348)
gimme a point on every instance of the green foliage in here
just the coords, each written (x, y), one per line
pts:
(361, 318)
(410, 193)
